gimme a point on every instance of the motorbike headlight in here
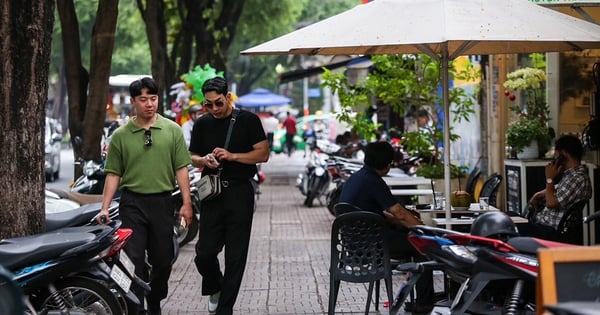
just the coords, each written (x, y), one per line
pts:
(319, 171)
(461, 251)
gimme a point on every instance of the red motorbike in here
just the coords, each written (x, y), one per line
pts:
(495, 268)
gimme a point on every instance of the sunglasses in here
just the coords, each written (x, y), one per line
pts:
(217, 103)
(148, 135)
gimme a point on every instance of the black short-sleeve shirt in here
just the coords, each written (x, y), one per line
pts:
(209, 133)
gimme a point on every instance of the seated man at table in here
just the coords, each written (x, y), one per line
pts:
(567, 183)
(366, 190)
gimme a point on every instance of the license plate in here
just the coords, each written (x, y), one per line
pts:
(120, 278)
(127, 263)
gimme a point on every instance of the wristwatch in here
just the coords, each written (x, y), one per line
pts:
(549, 181)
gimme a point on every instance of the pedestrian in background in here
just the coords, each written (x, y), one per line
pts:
(290, 131)
(145, 158)
(270, 124)
(194, 111)
(226, 220)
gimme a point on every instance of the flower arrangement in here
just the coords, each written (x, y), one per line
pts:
(532, 113)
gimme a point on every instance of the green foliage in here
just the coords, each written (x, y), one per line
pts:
(437, 170)
(262, 21)
(402, 81)
(338, 82)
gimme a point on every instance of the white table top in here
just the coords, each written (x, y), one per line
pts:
(412, 192)
(473, 208)
(406, 181)
(468, 221)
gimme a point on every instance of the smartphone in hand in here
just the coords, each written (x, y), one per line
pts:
(559, 160)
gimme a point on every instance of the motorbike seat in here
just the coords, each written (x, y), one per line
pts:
(530, 245)
(29, 250)
(75, 217)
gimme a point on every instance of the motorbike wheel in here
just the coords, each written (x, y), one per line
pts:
(81, 295)
(312, 193)
(333, 197)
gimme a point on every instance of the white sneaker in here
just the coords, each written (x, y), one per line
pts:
(213, 302)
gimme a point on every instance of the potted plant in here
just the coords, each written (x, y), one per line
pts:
(527, 87)
(526, 132)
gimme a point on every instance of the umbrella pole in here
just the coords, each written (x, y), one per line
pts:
(446, 105)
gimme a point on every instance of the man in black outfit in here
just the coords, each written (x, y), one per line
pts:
(226, 220)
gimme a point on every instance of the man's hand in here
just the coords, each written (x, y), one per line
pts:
(103, 218)
(399, 215)
(553, 169)
(210, 161)
(185, 213)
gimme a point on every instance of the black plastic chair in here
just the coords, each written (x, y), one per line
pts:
(570, 227)
(490, 188)
(359, 254)
(472, 182)
(344, 207)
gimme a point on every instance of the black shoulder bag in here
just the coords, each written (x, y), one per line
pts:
(209, 186)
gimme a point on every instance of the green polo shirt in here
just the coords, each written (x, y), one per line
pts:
(147, 169)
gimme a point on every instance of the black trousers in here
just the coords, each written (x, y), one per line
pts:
(151, 217)
(289, 143)
(225, 222)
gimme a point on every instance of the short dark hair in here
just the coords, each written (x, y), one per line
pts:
(570, 144)
(136, 87)
(216, 84)
(379, 155)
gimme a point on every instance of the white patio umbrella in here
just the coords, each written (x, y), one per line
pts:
(442, 29)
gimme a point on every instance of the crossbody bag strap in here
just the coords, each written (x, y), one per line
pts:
(234, 114)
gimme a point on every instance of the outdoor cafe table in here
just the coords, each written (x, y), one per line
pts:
(467, 215)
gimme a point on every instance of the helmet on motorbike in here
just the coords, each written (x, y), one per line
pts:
(494, 224)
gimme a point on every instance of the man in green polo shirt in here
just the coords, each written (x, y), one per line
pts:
(146, 158)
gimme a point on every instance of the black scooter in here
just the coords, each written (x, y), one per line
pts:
(77, 269)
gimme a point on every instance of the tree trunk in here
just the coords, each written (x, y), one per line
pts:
(103, 41)
(88, 93)
(25, 38)
(156, 31)
(75, 75)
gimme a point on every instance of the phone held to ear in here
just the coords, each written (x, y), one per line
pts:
(559, 160)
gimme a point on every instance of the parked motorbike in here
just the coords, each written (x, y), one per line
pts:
(496, 276)
(72, 270)
(257, 180)
(340, 169)
(92, 180)
(11, 297)
(314, 181)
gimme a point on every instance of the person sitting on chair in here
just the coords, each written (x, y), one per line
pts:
(367, 190)
(567, 183)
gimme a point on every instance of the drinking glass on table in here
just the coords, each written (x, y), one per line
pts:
(484, 203)
(438, 200)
